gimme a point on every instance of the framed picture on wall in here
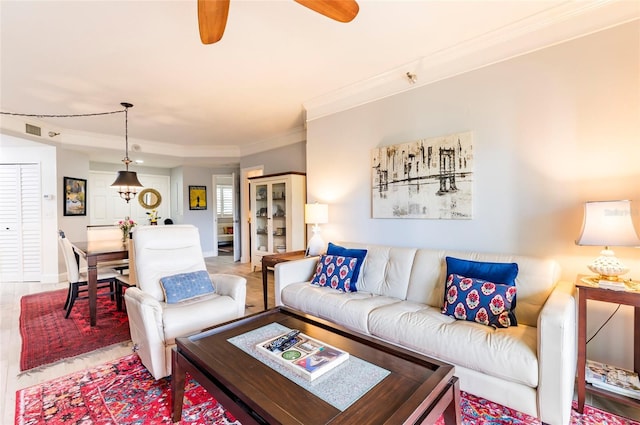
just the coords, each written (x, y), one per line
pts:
(197, 197)
(429, 178)
(74, 196)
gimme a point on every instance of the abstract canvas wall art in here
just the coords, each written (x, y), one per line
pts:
(427, 178)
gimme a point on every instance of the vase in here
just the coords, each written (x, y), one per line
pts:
(154, 223)
(125, 235)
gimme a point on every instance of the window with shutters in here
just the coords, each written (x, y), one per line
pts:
(224, 196)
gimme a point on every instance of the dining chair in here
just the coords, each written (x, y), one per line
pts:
(78, 284)
(128, 279)
(108, 233)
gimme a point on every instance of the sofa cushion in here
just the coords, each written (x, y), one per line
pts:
(506, 353)
(184, 286)
(479, 301)
(336, 272)
(386, 271)
(163, 251)
(360, 254)
(347, 309)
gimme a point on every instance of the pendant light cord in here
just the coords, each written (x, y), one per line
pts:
(63, 115)
(126, 159)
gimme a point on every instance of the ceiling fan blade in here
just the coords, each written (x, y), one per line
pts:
(340, 10)
(212, 19)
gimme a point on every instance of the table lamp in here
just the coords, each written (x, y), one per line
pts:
(608, 223)
(316, 214)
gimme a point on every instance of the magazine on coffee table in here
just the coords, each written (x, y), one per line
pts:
(305, 356)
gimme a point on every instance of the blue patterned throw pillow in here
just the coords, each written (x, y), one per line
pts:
(184, 286)
(504, 273)
(334, 249)
(479, 301)
(335, 271)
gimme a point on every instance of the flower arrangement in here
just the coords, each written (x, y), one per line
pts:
(153, 216)
(125, 226)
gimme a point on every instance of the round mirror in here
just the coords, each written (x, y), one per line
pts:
(149, 198)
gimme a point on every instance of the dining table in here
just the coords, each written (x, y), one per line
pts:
(95, 252)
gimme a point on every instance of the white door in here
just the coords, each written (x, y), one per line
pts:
(20, 223)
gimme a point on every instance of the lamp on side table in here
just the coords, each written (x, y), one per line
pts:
(608, 223)
(316, 214)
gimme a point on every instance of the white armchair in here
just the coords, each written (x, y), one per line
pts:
(162, 251)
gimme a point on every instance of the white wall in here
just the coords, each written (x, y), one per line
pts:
(551, 129)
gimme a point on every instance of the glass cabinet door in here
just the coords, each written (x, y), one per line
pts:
(278, 212)
(262, 218)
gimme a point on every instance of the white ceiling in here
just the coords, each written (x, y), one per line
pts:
(211, 104)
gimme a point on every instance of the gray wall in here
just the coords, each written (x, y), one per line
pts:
(203, 219)
(551, 129)
(71, 163)
(287, 158)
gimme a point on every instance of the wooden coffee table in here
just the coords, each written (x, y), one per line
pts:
(417, 390)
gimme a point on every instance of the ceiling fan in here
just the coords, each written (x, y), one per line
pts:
(212, 14)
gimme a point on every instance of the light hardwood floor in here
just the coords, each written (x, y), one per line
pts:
(12, 380)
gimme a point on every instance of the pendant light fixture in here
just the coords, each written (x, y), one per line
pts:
(127, 181)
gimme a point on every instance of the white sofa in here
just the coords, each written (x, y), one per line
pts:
(530, 367)
(162, 251)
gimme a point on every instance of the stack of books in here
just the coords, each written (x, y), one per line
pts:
(305, 356)
(614, 379)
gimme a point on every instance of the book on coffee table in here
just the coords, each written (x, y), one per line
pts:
(305, 356)
(611, 378)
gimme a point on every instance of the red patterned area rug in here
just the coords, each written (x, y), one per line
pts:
(124, 392)
(48, 337)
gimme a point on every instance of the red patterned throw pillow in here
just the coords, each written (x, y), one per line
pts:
(479, 301)
(335, 271)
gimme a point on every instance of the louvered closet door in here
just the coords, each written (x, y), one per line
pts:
(20, 222)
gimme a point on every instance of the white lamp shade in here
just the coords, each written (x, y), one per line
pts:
(608, 223)
(316, 213)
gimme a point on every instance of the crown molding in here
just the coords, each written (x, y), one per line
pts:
(97, 142)
(294, 136)
(553, 26)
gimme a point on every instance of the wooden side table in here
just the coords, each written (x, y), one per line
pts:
(586, 292)
(269, 261)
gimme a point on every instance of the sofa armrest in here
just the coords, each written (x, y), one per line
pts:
(146, 327)
(232, 286)
(557, 354)
(295, 271)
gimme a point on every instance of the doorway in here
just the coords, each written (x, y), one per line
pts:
(245, 208)
(225, 217)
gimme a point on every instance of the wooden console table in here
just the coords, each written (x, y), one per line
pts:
(269, 261)
(591, 292)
